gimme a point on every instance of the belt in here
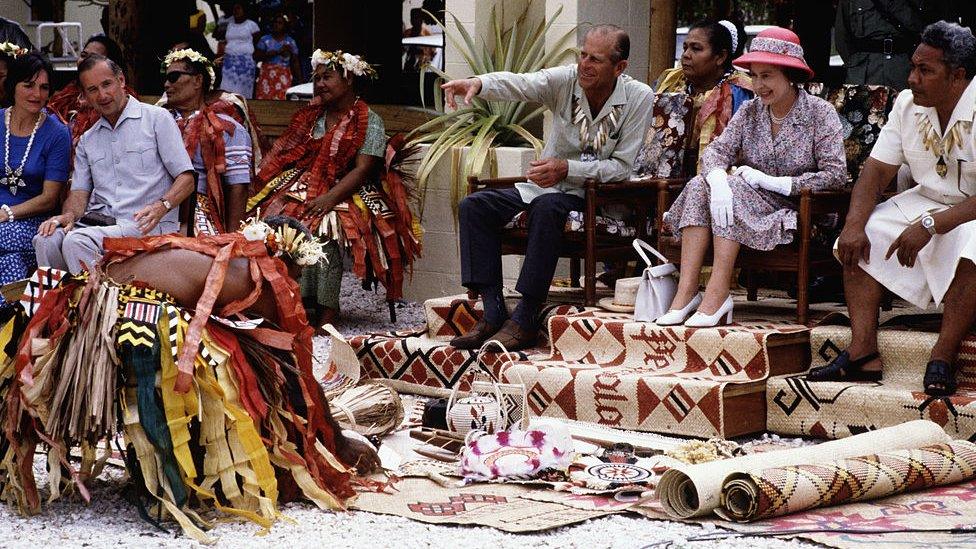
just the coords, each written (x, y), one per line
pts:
(932, 194)
(884, 45)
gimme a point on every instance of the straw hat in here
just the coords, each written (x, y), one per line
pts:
(776, 46)
(624, 296)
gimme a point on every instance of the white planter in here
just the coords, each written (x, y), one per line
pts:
(438, 272)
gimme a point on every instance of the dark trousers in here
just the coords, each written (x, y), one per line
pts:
(482, 216)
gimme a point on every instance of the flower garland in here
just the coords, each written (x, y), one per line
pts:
(190, 56)
(347, 61)
(12, 50)
(284, 240)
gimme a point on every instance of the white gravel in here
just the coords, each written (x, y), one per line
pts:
(111, 522)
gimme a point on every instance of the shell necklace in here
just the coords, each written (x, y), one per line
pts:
(14, 179)
(941, 146)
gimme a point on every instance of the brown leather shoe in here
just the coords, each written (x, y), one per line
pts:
(474, 337)
(513, 337)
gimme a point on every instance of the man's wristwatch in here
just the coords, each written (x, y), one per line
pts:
(929, 223)
(167, 204)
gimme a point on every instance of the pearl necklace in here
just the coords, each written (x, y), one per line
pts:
(779, 120)
(14, 178)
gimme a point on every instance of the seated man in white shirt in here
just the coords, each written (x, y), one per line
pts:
(920, 244)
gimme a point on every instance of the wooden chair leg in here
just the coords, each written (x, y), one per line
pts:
(887, 301)
(752, 286)
(803, 261)
(574, 272)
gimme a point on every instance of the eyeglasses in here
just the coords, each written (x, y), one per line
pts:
(173, 76)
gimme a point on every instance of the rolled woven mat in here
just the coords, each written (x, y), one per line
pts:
(694, 490)
(784, 490)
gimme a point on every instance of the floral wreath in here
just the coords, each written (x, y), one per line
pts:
(347, 61)
(191, 56)
(12, 50)
(284, 241)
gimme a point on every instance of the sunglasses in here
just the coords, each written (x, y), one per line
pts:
(173, 76)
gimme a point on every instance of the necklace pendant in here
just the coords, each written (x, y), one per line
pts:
(941, 168)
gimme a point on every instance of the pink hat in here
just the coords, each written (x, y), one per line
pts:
(776, 46)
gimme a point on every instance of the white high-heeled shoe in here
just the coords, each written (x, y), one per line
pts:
(677, 316)
(701, 320)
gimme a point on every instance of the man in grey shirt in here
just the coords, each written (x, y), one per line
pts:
(131, 172)
(599, 116)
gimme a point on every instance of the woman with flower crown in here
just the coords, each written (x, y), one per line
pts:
(196, 351)
(219, 147)
(326, 170)
(34, 166)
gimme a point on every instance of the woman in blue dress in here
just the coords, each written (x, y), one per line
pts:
(33, 164)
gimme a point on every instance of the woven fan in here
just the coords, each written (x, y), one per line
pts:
(369, 409)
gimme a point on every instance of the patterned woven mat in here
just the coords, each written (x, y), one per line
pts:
(921, 519)
(839, 409)
(601, 367)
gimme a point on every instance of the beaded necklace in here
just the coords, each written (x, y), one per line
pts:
(14, 179)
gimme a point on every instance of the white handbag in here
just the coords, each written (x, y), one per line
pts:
(657, 286)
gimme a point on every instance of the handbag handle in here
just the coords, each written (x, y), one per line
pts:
(638, 244)
(479, 371)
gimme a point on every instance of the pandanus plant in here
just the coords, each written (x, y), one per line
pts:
(484, 125)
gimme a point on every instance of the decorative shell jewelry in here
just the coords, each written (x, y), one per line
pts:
(347, 62)
(14, 179)
(284, 240)
(12, 50)
(592, 138)
(940, 146)
(191, 56)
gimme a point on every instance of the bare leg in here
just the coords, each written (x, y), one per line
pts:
(719, 286)
(863, 302)
(694, 244)
(959, 313)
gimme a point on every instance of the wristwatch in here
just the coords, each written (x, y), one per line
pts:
(167, 204)
(929, 223)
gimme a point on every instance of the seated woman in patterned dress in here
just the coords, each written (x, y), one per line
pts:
(706, 74)
(219, 147)
(34, 165)
(782, 141)
(326, 170)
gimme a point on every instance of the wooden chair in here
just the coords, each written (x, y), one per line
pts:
(864, 109)
(658, 163)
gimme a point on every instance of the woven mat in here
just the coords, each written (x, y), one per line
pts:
(501, 506)
(839, 409)
(779, 491)
(887, 522)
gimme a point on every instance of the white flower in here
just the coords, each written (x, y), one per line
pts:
(257, 230)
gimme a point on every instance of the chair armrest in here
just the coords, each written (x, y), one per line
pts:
(474, 183)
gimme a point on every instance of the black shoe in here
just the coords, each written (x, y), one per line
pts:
(939, 372)
(842, 368)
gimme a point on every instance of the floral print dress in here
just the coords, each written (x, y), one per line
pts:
(809, 147)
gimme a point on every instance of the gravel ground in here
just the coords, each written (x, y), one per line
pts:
(110, 521)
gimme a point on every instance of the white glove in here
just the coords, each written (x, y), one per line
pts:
(721, 197)
(757, 179)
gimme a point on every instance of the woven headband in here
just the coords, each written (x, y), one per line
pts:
(775, 45)
(733, 32)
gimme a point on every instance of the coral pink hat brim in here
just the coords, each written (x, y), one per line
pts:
(777, 59)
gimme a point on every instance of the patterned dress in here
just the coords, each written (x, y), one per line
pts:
(48, 161)
(275, 77)
(809, 147)
(239, 67)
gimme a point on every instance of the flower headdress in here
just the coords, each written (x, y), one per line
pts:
(191, 56)
(298, 246)
(346, 61)
(12, 50)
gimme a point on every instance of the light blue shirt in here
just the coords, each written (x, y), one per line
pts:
(132, 165)
(629, 106)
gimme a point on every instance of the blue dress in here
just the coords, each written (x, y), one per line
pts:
(48, 161)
